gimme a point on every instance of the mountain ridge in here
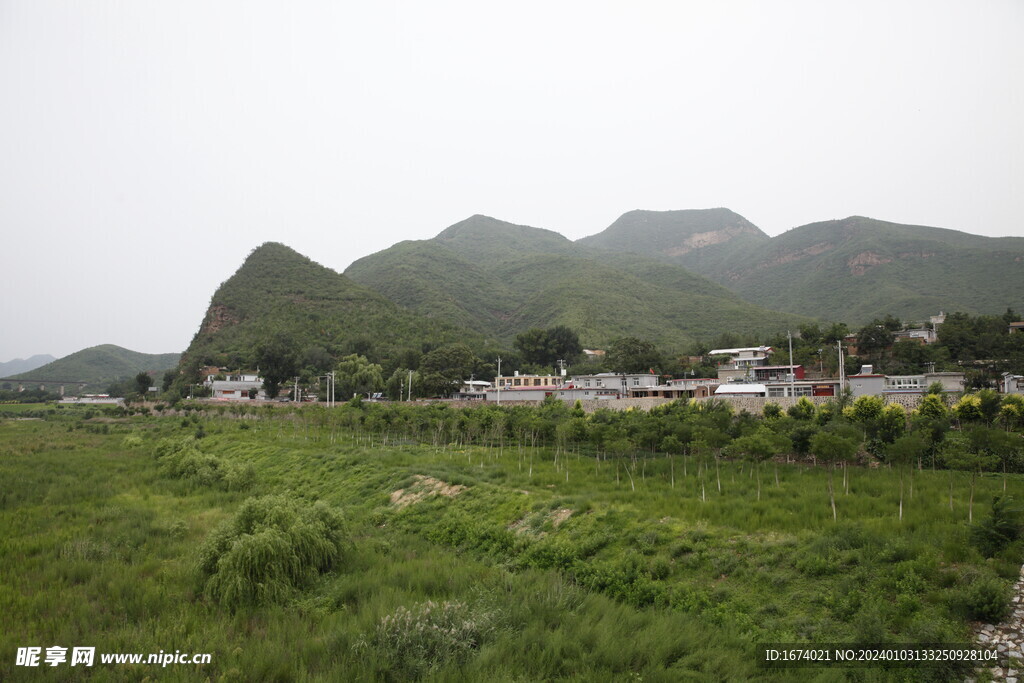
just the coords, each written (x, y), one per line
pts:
(500, 278)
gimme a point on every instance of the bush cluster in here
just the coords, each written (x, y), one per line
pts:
(414, 642)
(182, 459)
(272, 547)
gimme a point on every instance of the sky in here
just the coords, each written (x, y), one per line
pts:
(147, 147)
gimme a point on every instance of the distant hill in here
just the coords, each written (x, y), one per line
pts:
(499, 279)
(98, 366)
(858, 269)
(851, 270)
(279, 291)
(18, 365)
(702, 240)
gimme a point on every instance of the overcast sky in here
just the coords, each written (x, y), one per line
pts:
(146, 147)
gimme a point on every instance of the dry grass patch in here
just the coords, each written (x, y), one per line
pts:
(533, 523)
(422, 488)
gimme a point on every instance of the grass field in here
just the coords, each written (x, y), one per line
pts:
(467, 563)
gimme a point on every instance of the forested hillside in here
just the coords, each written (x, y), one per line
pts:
(701, 240)
(98, 366)
(280, 302)
(851, 270)
(499, 279)
(859, 268)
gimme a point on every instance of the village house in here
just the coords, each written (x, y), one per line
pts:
(523, 387)
(605, 385)
(237, 387)
(1011, 384)
(472, 390)
(868, 382)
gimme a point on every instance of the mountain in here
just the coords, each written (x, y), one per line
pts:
(702, 240)
(98, 366)
(858, 269)
(19, 365)
(278, 291)
(499, 279)
(852, 270)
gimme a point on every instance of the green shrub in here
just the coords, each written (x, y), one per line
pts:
(180, 458)
(985, 599)
(997, 531)
(415, 641)
(272, 547)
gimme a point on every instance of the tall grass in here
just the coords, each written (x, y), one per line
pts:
(651, 581)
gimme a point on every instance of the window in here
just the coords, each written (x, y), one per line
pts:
(600, 382)
(636, 381)
(586, 383)
(536, 382)
(518, 382)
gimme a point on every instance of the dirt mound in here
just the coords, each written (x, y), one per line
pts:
(422, 488)
(530, 524)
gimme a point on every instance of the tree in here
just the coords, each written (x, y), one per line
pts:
(355, 375)
(756, 448)
(959, 454)
(630, 354)
(892, 423)
(832, 448)
(277, 361)
(168, 380)
(142, 383)
(803, 409)
(443, 368)
(902, 453)
(874, 338)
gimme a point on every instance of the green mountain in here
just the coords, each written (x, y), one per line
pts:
(499, 279)
(701, 240)
(858, 269)
(278, 292)
(98, 366)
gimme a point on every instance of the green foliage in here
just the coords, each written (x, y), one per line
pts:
(443, 368)
(277, 360)
(630, 354)
(803, 409)
(357, 375)
(182, 459)
(832, 448)
(413, 642)
(544, 347)
(999, 529)
(142, 383)
(866, 409)
(985, 598)
(272, 547)
(907, 449)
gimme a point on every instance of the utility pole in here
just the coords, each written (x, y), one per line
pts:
(498, 382)
(410, 385)
(792, 370)
(842, 368)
